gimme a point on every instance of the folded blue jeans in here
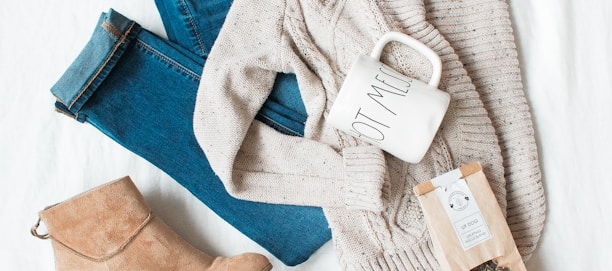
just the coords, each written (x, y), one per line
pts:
(140, 90)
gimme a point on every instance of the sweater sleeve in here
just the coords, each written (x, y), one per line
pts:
(254, 161)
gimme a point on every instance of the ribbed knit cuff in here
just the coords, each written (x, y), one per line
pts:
(419, 257)
(364, 178)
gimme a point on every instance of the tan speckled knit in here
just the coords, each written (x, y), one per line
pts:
(375, 218)
(481, 34)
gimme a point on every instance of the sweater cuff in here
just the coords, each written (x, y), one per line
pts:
(365, 184)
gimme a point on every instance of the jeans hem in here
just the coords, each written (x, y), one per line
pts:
(106, 46)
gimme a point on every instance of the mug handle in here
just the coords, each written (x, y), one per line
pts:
(415, 44)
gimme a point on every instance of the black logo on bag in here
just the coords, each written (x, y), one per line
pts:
(458, 201)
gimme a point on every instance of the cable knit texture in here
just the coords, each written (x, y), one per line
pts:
(366, 194)
(481, 33)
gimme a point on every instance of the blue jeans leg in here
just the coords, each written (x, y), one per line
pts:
(140, 90)
(195, 25)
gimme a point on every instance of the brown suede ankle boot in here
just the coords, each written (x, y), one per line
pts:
(111, 228)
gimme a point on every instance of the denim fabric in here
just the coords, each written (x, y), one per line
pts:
(140, 90)
(195, 25)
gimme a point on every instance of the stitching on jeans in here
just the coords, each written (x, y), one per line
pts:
(111, 29)
(166, 59)
(75, 116)
(102, 66)
(193, 25)
(59, 99)
(286, 129)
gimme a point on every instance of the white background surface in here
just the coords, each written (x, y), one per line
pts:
(46, 157)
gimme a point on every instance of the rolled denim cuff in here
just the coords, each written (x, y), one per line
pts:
(113, 34)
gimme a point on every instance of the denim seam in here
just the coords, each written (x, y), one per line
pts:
(167, 60)
(111, 29)
(287, 129)
(194, 27)
(74, 116)
(123, 38)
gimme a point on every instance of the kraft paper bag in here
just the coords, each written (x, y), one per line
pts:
(466, 224)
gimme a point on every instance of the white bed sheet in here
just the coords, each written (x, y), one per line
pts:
(46, 157)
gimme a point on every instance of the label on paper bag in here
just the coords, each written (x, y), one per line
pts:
(463, 235)
(464, 213)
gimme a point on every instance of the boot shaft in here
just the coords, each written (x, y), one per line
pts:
(111, 227)
(100, 222)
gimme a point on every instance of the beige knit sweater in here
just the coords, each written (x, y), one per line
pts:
(366, 194)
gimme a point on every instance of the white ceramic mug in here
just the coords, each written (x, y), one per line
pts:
(379, 105)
